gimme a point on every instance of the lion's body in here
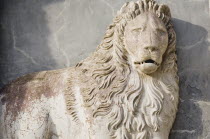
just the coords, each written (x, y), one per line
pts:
(104, 96)
(29, 104)
(35, 106)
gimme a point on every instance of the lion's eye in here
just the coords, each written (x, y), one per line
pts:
(136, 30)
(161, 31)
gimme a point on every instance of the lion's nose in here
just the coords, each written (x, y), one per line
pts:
(151, 48)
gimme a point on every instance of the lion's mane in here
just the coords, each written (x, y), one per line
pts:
(132, 102)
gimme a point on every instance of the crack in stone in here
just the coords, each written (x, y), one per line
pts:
(61, 50)
(193, 69)
(90, 9)
(20, 50)
(209, 7)
(58, 15)
(194, 87)
(187, 47)
(14, 38)
(60, 28)
(202, 102)
(66, 3)
(110, 6)
(61, 12)
(184, 131)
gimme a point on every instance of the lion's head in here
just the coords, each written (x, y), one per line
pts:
(135, 71)
(145, 31)
(146, 40)
(141, 37)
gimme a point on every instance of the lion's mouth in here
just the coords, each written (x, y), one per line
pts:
(149, 61)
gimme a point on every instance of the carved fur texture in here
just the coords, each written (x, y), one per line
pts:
(136, 105)
(103, 96)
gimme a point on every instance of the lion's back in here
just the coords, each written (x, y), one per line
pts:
(18, 94)
(29, 97)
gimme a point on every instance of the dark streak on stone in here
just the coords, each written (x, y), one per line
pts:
(19, 94)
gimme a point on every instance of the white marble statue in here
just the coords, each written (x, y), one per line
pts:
(127, 89)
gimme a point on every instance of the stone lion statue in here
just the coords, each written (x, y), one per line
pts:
(127, 89)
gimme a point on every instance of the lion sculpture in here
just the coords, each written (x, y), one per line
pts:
(127, 89)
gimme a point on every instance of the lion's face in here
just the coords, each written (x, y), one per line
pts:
(146, 40)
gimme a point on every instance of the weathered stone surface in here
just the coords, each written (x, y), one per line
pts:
(128, 88)
(39, 35)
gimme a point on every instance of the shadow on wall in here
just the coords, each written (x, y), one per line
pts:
(23, 38)
(193, 63)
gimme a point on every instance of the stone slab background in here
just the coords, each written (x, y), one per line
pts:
(38, 35)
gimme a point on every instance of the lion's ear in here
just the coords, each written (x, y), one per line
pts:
(164, 9)
(128, 6)
(123, 8)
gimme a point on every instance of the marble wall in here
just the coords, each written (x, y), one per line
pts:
(40, 35)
